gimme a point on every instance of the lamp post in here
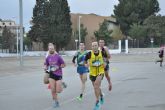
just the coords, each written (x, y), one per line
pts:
(152, 41)
(76, 43)
(135, 44)
(17, 31)
(79, 29)
(21, 31)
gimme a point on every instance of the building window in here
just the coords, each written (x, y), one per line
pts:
(3, 23)
(9, 23)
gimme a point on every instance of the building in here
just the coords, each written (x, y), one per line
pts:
(91, 22)
(13, 27)
(10, 24)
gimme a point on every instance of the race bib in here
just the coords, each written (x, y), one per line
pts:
(53, 68)
(81, 63)
(96, 63)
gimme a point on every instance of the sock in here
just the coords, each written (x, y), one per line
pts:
(81, 95)
(101, 95)
(97, 102)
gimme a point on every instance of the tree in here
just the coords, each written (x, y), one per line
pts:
(5, 38)
(0, 37)
(104, 33)
(27, 42)
(152, 27)
(59, 23)
(40, 22)
(156, 28)
(128, 12)
(139, 34)
(37, 20)
(8, 39)
(51, 23)
(138, 31)
(0, 42)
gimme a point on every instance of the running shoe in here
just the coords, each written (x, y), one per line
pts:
(102, 100)
(79, 98)
(97, 106)
(56, 104)
(64, 85)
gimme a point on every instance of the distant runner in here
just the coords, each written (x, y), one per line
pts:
(161, 55)
(105, 50)
(82, 70)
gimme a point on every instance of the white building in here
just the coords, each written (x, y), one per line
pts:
(12, 26)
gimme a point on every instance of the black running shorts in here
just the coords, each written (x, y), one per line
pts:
(54, 76)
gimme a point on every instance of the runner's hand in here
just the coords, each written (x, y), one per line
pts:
(62, 65)
(75, 64)
(45, 67)
(86, 65)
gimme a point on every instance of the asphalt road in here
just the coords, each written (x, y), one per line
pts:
(138, 84)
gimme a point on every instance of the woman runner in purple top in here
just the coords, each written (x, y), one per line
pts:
(54, 64)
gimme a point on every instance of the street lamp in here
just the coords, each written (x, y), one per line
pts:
(17, 31)
(152, 41)
(135, 43)
(76, 43)
(21, 31)
(79, 29)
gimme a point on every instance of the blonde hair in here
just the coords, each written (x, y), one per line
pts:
(50, 44)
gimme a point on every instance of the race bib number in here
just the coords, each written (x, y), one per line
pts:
(81, 63)
(96, 63)
(53, 68)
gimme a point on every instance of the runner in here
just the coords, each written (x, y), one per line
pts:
(105, 50)
(96, 65)
(54, 63)
(46, 76)
(161, 55)
(82, 70)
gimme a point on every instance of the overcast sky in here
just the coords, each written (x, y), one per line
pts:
(9, 9)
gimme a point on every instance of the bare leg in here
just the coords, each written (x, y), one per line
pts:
(59, 86)
(53, 88)
(83, 78)
(109, 80)
(97, 89)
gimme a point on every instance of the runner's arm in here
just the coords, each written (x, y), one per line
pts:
(46, 64)
(108, 53)
(73, 60)
(87, 57)
(104, 54)
(61, 61)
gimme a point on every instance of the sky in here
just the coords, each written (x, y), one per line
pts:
(9, 9)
